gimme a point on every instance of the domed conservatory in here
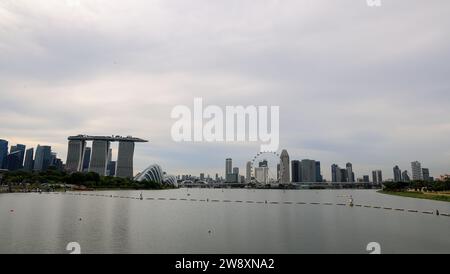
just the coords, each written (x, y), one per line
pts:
(155, 174)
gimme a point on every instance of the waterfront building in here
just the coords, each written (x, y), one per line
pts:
(426, 174)
(3, 154)
(308, 171)
(296, 171)
(405, 176)
(248, 172)
(350, 174)
(87, 159)
(42, 158)
(319, 177)
(13, 161)
(228, 166)
(29, 161)
(21, 149)
(416, 168)
(397, 174)
(262, 175)
(285, 167)
(377, 176)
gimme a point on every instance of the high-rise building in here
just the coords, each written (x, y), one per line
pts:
(111, 170)
(366, 179)
(262, 175)
(228, 166)
(344, 175)
(285, 166)
(308, 171)
(75, 155)
(397, 174)
(202, 176)
(377, 176)
(42, 158)
(296, 171)
(426, 174)
(263, 163)
(278, 171)
(236, 171)
(99, 157)
(87, 159)
(416, 171)
(125, 160)
(13, 160)
(3, 154)
(350, 174)
(248, 172)
(319, 177)
(405, 176)
(29, 162)
(335, 173)
(20, 148)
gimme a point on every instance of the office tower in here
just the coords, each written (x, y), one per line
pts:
(3, 154)
(262, 175)
(377, 176)
(99, 157)
(366, 179)
(350, 174)
(75, 155)
(236, 171)
(416, 171)
(248, 172)
(285, 167)
(263, 163)
(42, 158)
(426, 174)
(232, 178)
(202, 176)
(29, 162)
(405, 176)
(228, 166)
(308, 171)
(217, 177)
(335, 173)
(21, 149)
(13, 161)
(397, 174)
(319, 177)
(87, 159)
(296, 171)
(344, 175)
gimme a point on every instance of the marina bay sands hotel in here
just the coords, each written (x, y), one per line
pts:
(100, 151)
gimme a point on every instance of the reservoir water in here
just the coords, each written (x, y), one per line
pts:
(221, 221)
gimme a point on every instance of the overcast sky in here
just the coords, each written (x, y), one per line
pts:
(355, 84)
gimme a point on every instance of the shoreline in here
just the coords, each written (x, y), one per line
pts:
(418, 195)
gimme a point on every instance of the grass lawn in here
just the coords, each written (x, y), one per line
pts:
(420, 195)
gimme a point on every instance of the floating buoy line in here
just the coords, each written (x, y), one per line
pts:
(350, 204)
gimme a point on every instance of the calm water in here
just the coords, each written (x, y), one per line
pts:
(45, 223)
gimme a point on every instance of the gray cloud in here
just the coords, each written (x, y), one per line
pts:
(360, 84)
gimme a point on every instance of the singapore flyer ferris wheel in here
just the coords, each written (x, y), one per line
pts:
(266, 168)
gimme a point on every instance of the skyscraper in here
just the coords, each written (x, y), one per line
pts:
(366, 179)
(397, 174)
(87, 159)
(75, 155)
(248, 172)
(335, 173)
(228, 166)
(236, 171)
(125, 160)
(405, 176)
(350, 174)
(416, 171)
(21, 149)
(263, 163)
(308, 171)
(42, 158)
(99, 157)
(13, 160)
(29, 162)
(319, 177)
(262, 175)
(426, 174)
(285, 167)
(3, 154)
(377, 176)
(296, 171)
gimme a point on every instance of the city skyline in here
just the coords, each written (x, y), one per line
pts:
(358, 99)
